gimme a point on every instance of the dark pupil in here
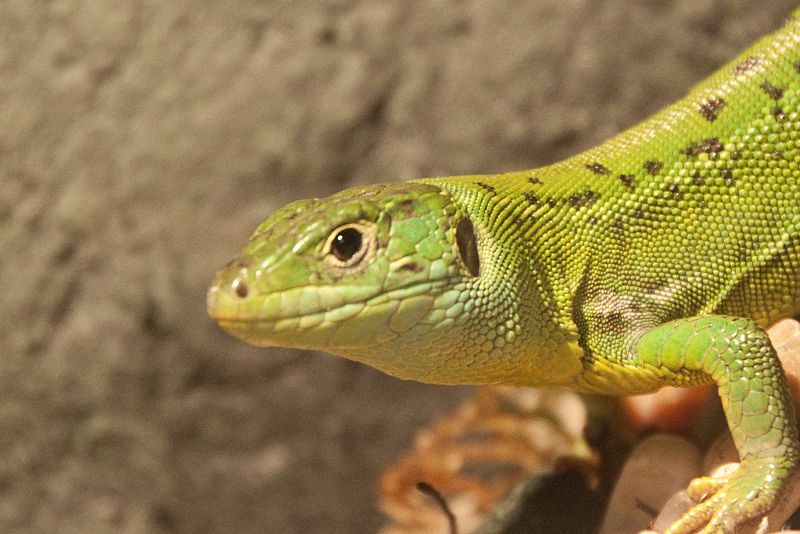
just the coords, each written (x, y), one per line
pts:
(346, 244)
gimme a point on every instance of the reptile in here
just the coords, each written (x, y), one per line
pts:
(656, 258)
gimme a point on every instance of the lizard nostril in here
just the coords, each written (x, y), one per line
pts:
(240, 288)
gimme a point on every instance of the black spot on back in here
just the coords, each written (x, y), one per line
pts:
(532, 197)
(775, 93)
(778, 113)
(711, 108)
(597, 168)
(797, 66)
(585, 198)
(710, 146)
(727, 174)
(747, 64)
(652, 167)
(534, 181)
(674, 190)
(487, 187)
(627, 180)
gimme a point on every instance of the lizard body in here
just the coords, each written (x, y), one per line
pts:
(656, 258)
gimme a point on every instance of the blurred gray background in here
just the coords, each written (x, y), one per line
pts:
(140, 144)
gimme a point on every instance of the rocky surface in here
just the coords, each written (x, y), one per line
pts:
(142, 141)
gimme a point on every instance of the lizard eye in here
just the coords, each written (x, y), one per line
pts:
(348, 245)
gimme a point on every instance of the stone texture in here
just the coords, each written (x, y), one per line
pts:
(658, 467)
(142, 141)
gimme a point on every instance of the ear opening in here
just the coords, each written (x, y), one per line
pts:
(468, 246)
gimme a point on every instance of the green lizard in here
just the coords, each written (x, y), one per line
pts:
(656, 258)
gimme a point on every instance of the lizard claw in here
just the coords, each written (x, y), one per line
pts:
(702, 488)
(746, 492)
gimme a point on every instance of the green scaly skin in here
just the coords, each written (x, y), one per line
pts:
(654, 259)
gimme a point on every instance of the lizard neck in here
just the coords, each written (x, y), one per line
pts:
(530, 250)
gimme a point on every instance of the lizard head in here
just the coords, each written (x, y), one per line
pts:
(352, 274)
(396, 276)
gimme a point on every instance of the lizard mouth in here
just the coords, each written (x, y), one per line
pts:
(238, 307)
(315, 328)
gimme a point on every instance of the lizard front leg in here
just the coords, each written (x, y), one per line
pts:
(738, 356)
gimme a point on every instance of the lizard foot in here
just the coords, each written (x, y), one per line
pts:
(736, 496)
(702, 487)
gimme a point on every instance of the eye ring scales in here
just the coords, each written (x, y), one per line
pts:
(350, 245)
